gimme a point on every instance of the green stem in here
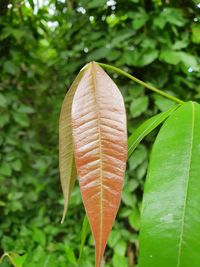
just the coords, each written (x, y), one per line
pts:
(150, 87)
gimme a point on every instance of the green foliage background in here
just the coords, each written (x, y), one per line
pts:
(42, 48)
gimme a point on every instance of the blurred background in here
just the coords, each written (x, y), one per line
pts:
(43, 45)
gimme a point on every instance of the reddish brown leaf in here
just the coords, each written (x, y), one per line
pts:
(100, 147)
(66, 154)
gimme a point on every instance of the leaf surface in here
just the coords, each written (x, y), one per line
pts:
(145, 128)
(85, 230)
(66, 154)
(100, 147)
(170, 220)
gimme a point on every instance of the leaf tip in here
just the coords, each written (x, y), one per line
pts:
(64, 212)
(87, 66)
(62, 220)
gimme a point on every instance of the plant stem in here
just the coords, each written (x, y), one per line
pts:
(150, 87)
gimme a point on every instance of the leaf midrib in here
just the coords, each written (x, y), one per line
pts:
(187, 186)
(101, 161)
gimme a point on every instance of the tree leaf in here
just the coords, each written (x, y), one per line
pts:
(147, 56)
(66, 154)
(3, 101)
(84, 232)
(170, 57)
(140, 19)
(145, 128)
(138, 157)
(5, 169)
(138, 106)
(10, 68)
(170, 220)
(196, 33)
(162, 103)
(134, 218)
(14, 258)
(31, 2)
(189, 60)
(96, 3)
(99, 53)
(100, 137)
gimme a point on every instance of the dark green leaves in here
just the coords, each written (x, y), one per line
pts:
(172, 16)
(175, 57)
(170, 223)
(139, 19)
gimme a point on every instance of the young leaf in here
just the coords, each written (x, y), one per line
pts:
(145, 128)
(133, 142)
(100, 147)
(66, 154)
(170, 220)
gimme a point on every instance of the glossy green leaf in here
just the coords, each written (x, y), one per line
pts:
(170, 220)
(146, 128)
